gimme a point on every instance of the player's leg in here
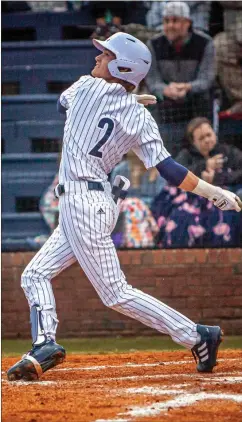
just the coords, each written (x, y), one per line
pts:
(54, 256)
(91, 242)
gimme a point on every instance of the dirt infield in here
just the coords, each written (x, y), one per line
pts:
(139, 387)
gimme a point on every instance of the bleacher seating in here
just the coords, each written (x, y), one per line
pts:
(45, 67)
(33, 75)
(30, 107)
(26, 175)
(45, 25)
(79, 53)
(24, 179)
(32, 136)
(41, 79)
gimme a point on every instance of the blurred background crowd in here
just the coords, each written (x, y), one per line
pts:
(196, 75)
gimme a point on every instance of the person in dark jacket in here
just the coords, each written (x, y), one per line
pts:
(187, 221)
(219, 164)
(181, 75)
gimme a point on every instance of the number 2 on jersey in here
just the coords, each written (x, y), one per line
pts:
(110, 125)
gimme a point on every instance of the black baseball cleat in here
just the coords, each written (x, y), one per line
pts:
(207, 349)
(38, 360)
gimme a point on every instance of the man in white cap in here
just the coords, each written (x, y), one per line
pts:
(182, 71)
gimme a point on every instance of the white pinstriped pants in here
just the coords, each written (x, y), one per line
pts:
(84, 235)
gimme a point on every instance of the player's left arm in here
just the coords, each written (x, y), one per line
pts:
(180, 176)
(67, 97)
(60, 108)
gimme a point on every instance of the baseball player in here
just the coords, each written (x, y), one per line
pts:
(104, 121)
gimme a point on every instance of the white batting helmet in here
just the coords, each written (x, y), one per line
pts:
(130, 53)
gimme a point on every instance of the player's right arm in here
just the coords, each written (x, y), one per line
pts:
(181, 177)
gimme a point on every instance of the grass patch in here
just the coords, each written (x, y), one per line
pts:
(111, 345)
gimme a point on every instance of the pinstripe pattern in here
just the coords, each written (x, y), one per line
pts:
(84, 232)
(91, 244)
(87, 101)
(54, 257)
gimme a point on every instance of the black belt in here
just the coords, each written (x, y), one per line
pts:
(60, 189)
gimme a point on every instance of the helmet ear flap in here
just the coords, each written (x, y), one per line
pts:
(133, 76)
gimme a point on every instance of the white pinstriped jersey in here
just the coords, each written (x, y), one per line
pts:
(103, 122)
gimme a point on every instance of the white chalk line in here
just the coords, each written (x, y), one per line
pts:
(24, 383)
(223, 380)
(154, 391)
(157, 376)
(125, 365)
(111, 420)
(180, 401)
(135, 365)
(178, 388)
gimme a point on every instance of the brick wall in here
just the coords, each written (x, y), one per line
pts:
(205, 285)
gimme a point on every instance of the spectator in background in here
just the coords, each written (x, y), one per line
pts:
(109, 17)
(199, 11)
(219, 164)
(186, 220)
(181, 74)
(136, 227)
(114, 16)
(228, 48)
(47, 6)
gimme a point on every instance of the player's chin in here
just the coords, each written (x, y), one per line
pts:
(171, 36)
(95, 73)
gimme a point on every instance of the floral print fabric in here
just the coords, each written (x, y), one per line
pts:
(188, 220)
(137, 227)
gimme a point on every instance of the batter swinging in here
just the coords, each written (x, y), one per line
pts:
(104, 120)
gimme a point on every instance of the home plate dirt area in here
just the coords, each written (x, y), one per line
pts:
(138, 386)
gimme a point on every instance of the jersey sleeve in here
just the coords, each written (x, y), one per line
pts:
(150, 148)
(69, 94)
